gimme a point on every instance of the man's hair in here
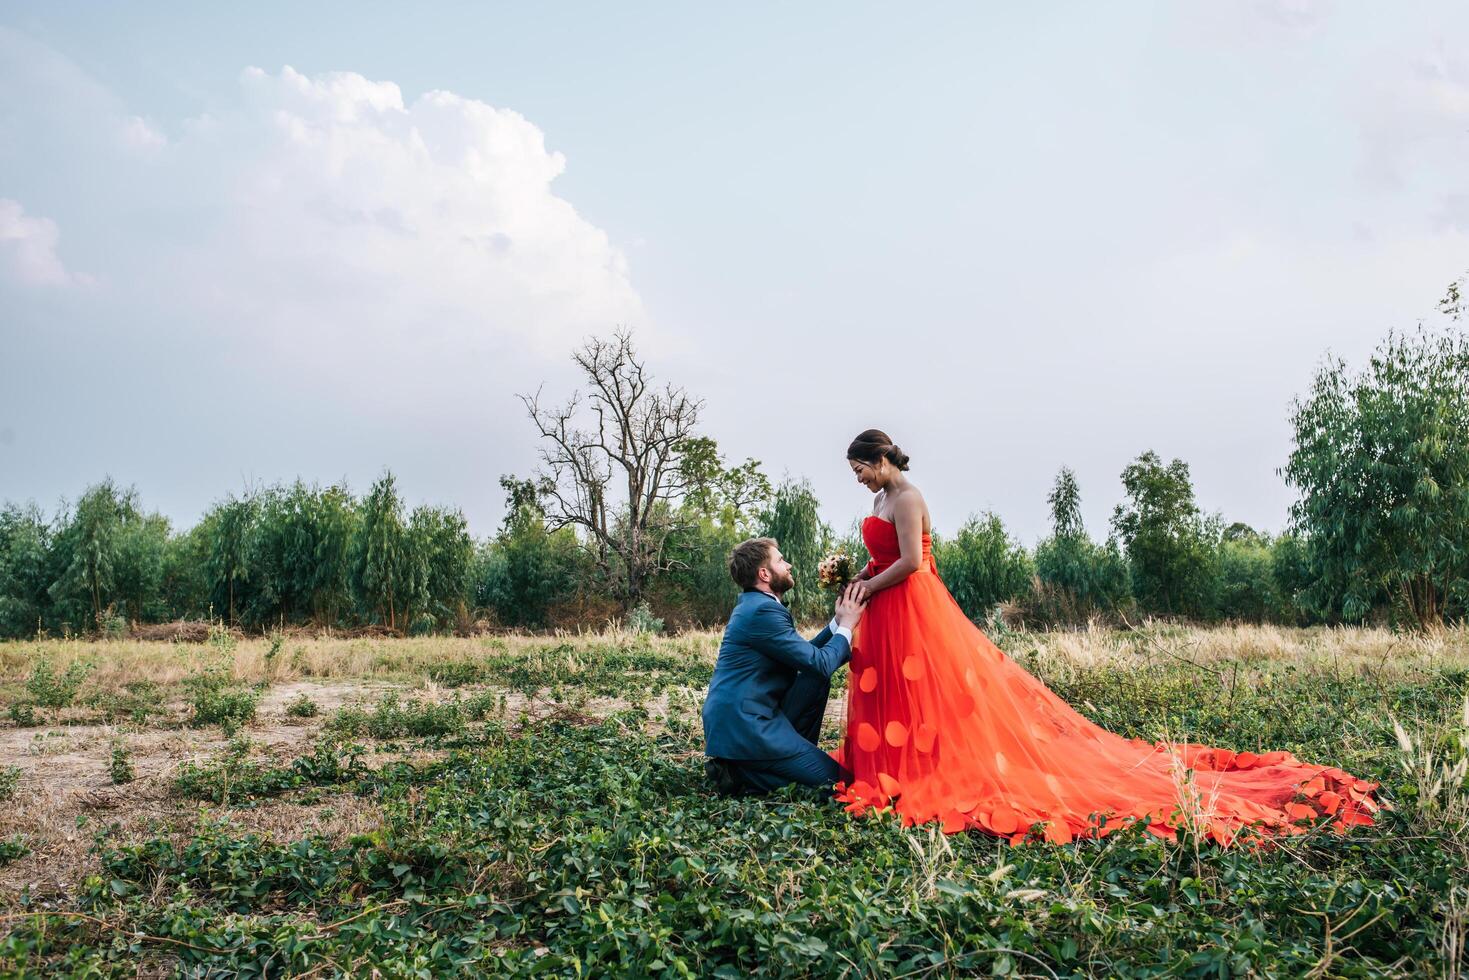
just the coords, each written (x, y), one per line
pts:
(747, 559)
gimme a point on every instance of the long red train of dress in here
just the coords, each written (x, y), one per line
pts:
(943, 727)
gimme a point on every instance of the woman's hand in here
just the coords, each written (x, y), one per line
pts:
(850, 605)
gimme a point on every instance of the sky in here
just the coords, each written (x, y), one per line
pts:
(242, 244)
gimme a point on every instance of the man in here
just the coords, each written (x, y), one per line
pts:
(763, 714)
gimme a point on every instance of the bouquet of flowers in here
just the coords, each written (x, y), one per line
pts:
(835, 571)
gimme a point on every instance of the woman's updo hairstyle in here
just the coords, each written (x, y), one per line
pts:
(873, 445)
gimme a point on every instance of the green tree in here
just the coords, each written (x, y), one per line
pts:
(138, 567)
(299, 551)
(732, 496)
(527, 570)
(794, 521)
(1076, 578)
(1168, 543)
(1065, 501)
(1290, 567)
(443, 561)
(696, 590)
(612, 463)
(1381, 460)
(334, 525)
(86, 551)
(1247, 587)
(720, 508)
(983, 566)
(185, 586)
(25, 540)
(228, 529)
(382, 563)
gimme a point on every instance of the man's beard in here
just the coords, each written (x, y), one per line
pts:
(783, 584)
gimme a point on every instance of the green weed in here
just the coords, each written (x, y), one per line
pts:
(302, 706)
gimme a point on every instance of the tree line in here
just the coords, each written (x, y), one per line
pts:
(632, 513)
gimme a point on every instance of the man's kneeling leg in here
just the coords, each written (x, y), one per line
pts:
(811, 767)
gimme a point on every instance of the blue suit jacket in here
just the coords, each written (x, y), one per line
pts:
(758, 662)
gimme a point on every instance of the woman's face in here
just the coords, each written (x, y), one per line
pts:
(873, 476)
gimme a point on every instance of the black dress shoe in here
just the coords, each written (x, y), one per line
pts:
(725, 777)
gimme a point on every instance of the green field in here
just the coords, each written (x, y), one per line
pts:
(290, 806)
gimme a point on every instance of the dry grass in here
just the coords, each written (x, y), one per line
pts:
(120, 662)
(65, 763)
(117, 663)
(1343, 648)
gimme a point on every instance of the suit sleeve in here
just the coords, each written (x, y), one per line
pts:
(773, 635)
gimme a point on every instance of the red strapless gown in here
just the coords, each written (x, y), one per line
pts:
(943, 727)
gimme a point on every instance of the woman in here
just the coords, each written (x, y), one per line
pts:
(944, 727)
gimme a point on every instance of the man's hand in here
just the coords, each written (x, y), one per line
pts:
(850, 605)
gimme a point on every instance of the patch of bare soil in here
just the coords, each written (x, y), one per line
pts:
(65, 794)
(328, 695)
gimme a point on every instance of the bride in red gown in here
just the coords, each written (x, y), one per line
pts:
(943, 727)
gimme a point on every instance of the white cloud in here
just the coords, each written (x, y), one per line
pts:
(28, 247)
(1300, 17)
(301, 212)
(1417, 121)
(315, 276)
(1264, 24)
(138, 134)
(338, 209)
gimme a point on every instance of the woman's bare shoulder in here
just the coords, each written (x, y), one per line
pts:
(908, 505)
(912, 506)
(910, 499)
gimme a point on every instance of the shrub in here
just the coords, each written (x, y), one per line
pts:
(524, 573)
(13, 849)
(23, 713)
(56, 692)
(1290, 566)
(455, 673)
(302, 707)
(121, 767)
(1077, 580)
(234, 776)
(228, 707)
(1247, 589)
(222, 638)
(9, 777)
(393, 718)
(983, 566)
(136, 702)
(218, 701)
(642, 620)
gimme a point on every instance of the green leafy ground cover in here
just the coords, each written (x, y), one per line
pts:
(574, 845)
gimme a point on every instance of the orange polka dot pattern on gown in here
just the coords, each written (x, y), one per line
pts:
(944, 728)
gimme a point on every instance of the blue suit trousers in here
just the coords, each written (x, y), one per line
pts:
(805, 706)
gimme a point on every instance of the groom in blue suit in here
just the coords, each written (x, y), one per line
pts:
(762, 716)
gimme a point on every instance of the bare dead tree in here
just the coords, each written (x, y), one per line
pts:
(622, 429)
